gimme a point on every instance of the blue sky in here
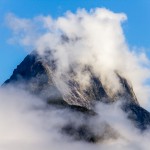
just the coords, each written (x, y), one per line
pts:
(136, 28)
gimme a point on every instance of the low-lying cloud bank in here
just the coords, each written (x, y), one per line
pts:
(28, 123)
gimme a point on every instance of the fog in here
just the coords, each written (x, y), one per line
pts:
(95, 38)
(28, 123)
(76, 40)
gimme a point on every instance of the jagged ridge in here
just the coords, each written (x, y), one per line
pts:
(36, 77)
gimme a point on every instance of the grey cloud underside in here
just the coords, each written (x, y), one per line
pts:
(35, 73)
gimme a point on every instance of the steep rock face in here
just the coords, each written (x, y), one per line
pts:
(32, 73)
(35, 74)
(139, 116)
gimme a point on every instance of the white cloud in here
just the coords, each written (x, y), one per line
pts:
(26, 123)
(96, 38)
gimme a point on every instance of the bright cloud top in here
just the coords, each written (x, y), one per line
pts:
(93, 38)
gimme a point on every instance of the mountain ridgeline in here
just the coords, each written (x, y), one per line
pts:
(35, 73)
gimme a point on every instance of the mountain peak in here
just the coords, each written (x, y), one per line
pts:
(35, 73)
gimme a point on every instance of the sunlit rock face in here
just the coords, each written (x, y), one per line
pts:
(36, 74)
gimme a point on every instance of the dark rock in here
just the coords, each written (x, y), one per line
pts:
(138, 115)
(34, 72)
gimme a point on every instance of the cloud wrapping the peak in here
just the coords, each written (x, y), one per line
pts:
(80, 39)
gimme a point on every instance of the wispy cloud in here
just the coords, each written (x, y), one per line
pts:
(26, 123)
(95, 39)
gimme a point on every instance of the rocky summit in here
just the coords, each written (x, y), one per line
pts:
(35, 74)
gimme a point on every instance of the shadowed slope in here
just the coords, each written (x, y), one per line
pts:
(34, 73)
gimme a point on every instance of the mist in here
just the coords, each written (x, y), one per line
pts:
(28, 123)
(92, 38)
